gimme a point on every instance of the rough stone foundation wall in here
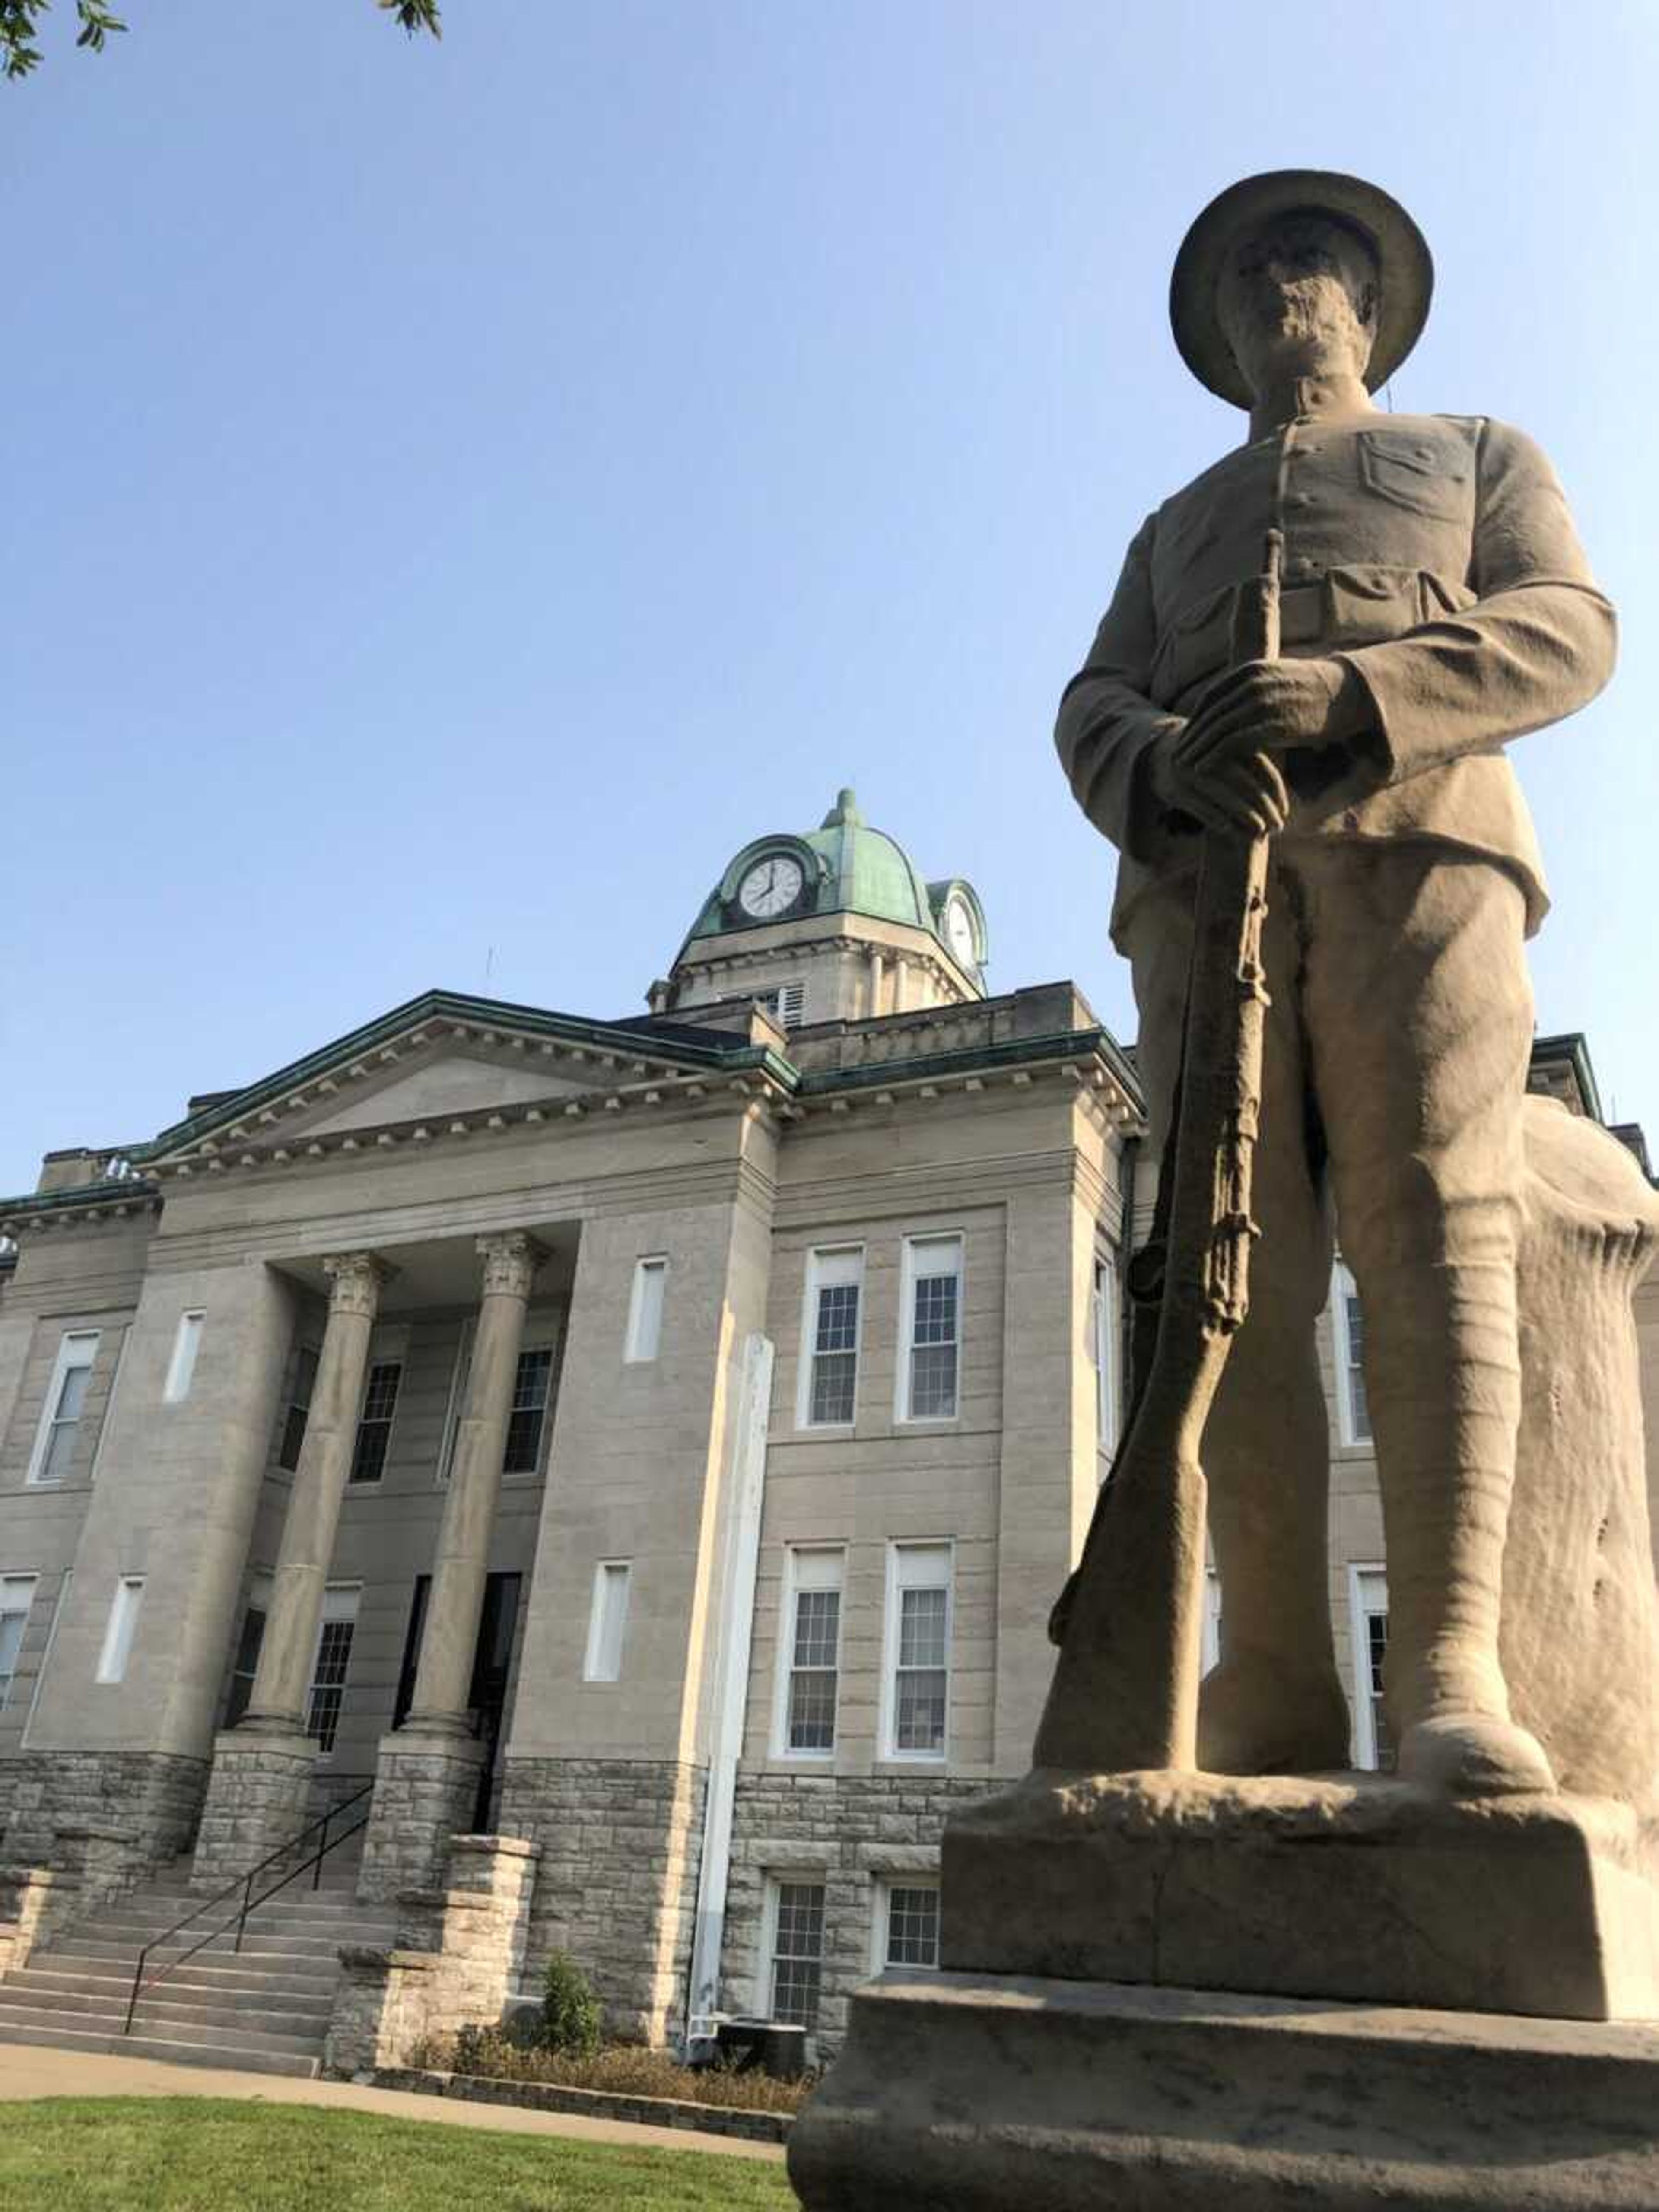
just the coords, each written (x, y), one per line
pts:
(621, 1841)
(423, 1795)
(850, 1831)
(156, 1795)
(256, 1803)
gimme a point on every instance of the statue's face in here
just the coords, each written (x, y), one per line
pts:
(1300, 294)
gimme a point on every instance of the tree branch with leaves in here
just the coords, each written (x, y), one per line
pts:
(21, 19)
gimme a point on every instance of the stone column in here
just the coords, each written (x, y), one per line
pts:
(427, 1774)
(262, 1768)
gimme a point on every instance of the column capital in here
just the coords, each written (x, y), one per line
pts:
(511, 1257)
(355, 1279)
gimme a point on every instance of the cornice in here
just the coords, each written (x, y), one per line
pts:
(623, 1077)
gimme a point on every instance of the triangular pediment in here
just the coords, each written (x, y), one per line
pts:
(442, 1057)
(440, 1083)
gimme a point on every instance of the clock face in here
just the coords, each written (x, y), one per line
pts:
(771, 886)
(959, 932)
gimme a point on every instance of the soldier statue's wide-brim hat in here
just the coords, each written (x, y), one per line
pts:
(1404, 262)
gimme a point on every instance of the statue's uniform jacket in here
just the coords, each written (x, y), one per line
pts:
(1434, 554)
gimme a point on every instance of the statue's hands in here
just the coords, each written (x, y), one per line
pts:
(1236, 790)
(1277, 706)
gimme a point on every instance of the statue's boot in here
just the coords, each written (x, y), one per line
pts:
(1275, 1703)
(1444, 1374)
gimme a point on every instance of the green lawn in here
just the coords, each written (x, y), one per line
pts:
(215, 2155)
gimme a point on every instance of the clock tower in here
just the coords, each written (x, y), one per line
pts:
(836, 924)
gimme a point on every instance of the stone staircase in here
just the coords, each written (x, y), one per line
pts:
(264, 2009)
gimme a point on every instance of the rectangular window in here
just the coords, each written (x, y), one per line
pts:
(1103, 1332)
(1368, 1606)
(1210, 1631)
(529, 1415)
(245, 1665)
(181, 1368)
(797, 1952)
(909, 1924)
(66, 1397)
(328, 1675)
(785, 1002)
(123, 1627)
(918, 1648)
(829, 1337)
(16, 1597)
(374, 1422)
(812, 1653)
(931, 1342)
(645, 1311)
(1348, 1344)
(607, 1623)
(304, 1381)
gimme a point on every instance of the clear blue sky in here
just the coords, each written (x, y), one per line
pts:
(457, 495)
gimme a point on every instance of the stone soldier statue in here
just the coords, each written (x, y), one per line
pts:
(1436, 603)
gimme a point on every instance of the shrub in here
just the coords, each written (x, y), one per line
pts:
(627, 2070)
(570, 2011)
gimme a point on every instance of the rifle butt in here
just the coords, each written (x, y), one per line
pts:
(1124, 1695)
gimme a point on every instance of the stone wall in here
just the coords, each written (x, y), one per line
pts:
(850, 1831)
(157, 1795)
(453, 1967)
(424, 1793)
(621, 1841)
(256, 1805)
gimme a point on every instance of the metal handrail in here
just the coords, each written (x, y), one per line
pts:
(244, 1882)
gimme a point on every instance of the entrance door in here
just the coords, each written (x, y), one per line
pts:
(492, 1660)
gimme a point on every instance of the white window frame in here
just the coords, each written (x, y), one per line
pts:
(340, 1602)
(291, 1405)
(881, 1922)
(1343, 1288)
(827, 1570)
(1367, 1581)
(120, 1631)
(186, 1350)
(65, 1584)
(261, 1590)
(78, 1348)
(541, 1333)
(16, 1603)
(828, 1266)
(786, 1002)
(647, 1300)
(1104, 1309)
(776, 1882)
(910, 1276)
(1211, 1629)
(388, 1346)
(607, 1621)
(897, 1584)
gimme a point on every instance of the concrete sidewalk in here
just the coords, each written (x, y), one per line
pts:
(31, 2070)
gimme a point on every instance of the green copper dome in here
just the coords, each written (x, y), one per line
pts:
(843, 867)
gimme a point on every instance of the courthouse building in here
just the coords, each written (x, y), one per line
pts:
(660, 1438)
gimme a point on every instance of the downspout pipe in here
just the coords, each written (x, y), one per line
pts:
(736, 1633)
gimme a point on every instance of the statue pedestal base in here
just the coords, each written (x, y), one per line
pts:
(1353, 1886)
(976, 2093)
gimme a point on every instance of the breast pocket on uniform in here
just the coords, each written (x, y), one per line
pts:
(1428, 475)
